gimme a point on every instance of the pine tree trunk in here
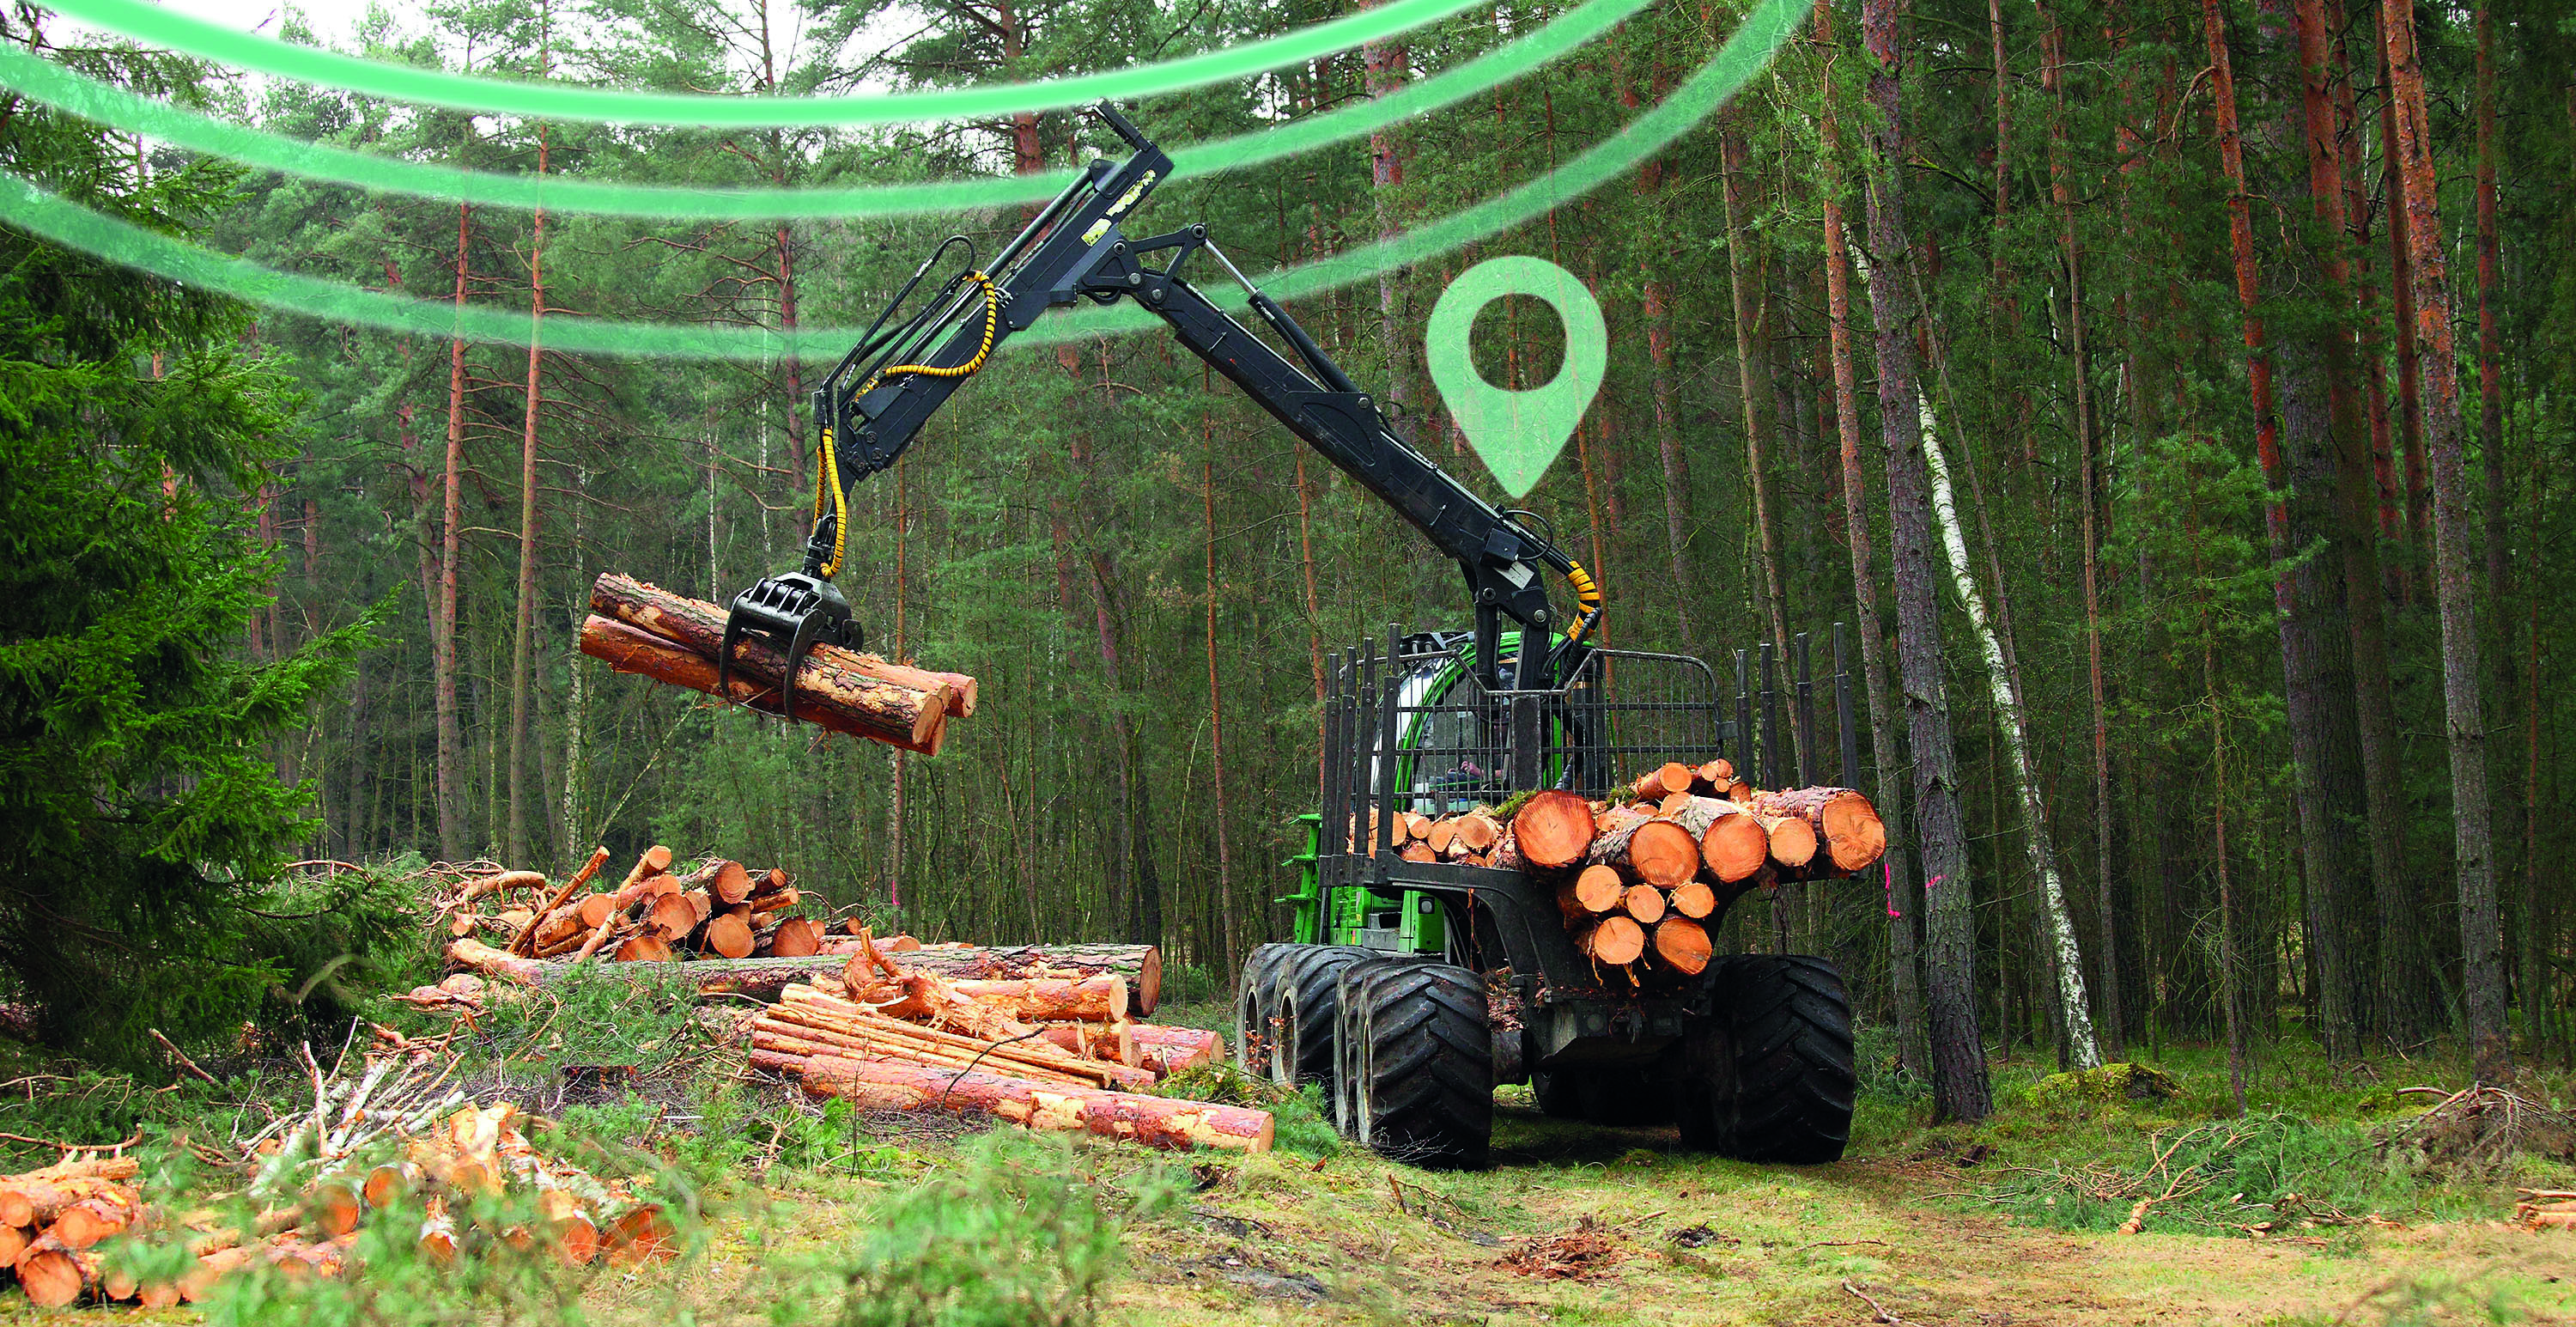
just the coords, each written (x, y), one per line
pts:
(1959, 1084)
(2088, 494)
(1386, 65)
(1216, 713)
(2410, 364)
(2306, 653)
(450, 791)
(1748, 370)
(2352, 531)
(2473, 849)
(1913, 1047)
(523, 662)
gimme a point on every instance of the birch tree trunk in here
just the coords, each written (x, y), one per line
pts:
(2073, 1006)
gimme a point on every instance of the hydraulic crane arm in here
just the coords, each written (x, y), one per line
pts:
(874, 403)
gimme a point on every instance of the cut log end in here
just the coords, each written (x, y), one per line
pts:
(1684, 944)
(1552, 829)
(1613, 941)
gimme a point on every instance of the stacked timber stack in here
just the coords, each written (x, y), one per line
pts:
(719, 910)
(1052, 1053)
(1640, 876)
(54, 1222)
(639, 628)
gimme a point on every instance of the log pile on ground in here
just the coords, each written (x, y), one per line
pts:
(720, 909)
(396, 1136)
(639, 628)
(1053, 1050)
(1641, 877)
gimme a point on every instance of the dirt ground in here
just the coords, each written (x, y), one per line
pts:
(1588, 1225)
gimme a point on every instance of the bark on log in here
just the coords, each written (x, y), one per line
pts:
(698, 627)
(1614, 940)
(835, 700)
(1050, 1000)
(1195, 1046)
(1658, 852)
(1550, 831)
(1683, 943)
(35, 1200)
(1110, 1043)
(1854, 837)
(1152, 1121)
(1141, 966)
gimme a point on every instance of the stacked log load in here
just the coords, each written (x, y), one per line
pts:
(1639, 876)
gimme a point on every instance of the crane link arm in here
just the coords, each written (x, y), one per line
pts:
(874, 403)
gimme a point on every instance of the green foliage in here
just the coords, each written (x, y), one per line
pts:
(639, 1017)
(1023, 1231)
(2270, 1171)
(142, 813)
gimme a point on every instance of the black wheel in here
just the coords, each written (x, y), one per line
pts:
(1556, 1093)
(1349, 999)
(1254, 1000)
(1770, 1077)
(1422, 1064)
(1302, 1050)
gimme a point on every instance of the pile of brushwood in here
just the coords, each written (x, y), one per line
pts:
(389, 1148)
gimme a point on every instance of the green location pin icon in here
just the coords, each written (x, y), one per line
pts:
(1517, 434)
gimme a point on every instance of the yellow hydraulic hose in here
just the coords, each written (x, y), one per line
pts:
(829, 480)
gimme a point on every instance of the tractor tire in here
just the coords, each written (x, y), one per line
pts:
(1255, 1000)
(1349, 999)
(1303, 1012)
(1769, 1077)
(1421, 1064)
(1558, 1096)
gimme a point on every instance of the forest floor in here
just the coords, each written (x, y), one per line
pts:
(2299, 1213)
(2004, 1223)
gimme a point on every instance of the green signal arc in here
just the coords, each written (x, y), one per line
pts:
(104, 103)
(567, 102)
(1769, 27)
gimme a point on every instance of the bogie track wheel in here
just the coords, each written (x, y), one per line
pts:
(1256, 999)
(1770, 1077)
(1422, 1064)
(1301, 1050)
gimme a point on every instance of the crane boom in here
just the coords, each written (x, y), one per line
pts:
(872, 405)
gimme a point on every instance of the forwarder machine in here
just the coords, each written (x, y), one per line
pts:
(1412, 989)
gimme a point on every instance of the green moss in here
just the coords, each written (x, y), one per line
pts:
(2108, 1085)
